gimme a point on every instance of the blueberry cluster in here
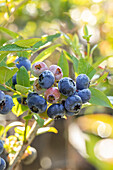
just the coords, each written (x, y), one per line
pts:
(6, 103)
(62, 96)
(2, 161)
(19, 62)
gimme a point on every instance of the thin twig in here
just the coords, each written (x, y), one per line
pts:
(29, 139)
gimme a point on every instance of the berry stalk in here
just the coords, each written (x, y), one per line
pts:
(14, 91)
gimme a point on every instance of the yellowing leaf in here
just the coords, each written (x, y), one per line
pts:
(46, 129)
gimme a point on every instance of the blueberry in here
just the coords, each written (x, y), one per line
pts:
(38, 68)
(14, 79)
(56, 111)
(85, 95)
(31, 94)
(57, 71)
(66, 86)
(2, 98)
(46, 79)
(1, 146)
(22, 100)
(73, 104)
(82, 82)
(37, 104)
(52, 95)
(2, 164)
(23, 61)
(8, 105)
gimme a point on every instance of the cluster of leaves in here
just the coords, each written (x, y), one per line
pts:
(45, 46)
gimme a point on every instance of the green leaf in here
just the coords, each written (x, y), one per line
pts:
(46, 39)
(1, 130)
(18, 109)
(99, 61)
(27, 42)
(23, 77)
(22, 89)
(85, 30)
(67, 39)
(9, 32)
(93, 48)
(63, 63)
(2, 56)
(39, 120)
(3, 63)
(45, 53)
(3, 88)
(13, 124)
(101, 78)
(76, 40)
(99, 98)
(46, 129)
(85, 68)
(28, 117)
(86, 34)
(73, 59)
(13, 48)
(26, 54)
(9, 82)
(6, 73)
(75, 64)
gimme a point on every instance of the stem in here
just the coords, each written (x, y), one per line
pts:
(14, 90)
(88, 50)
(26, 124)
(29, 139)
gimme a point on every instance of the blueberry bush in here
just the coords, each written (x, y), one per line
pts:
(35, 90)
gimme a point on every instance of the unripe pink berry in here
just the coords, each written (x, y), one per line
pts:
(38, 68)
(57, 71)
(52, 95)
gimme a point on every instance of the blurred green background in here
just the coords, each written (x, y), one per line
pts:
(36, 18)
(33, 18)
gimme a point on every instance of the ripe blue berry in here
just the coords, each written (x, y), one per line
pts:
(2, 98)
(38, 68)
(52, 95)
(57, 71)
(46, 79)
(1, 146)
(14, 79)
(66, 86)
(8, 105)
(56, 111)
(23, 61)
(82, 82)
(85, 95)
(31, 94)
(37, 104)
(2, 164)
(73, 104)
